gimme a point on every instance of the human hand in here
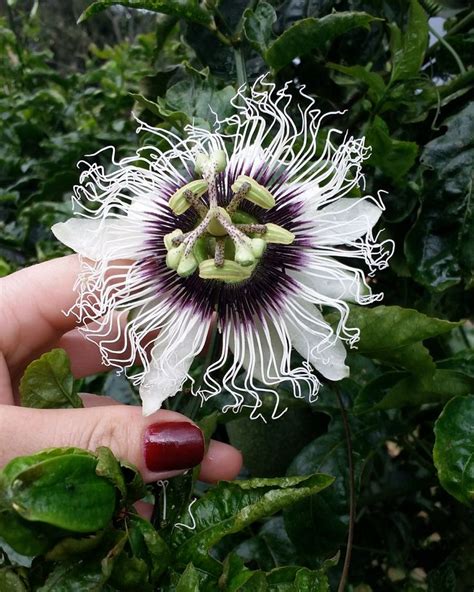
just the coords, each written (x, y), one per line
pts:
(32, 322)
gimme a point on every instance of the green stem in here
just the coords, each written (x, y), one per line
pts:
(240, 67)
(352, 499)
(451, 50)
(463, 24)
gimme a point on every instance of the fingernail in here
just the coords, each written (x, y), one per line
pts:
(173, 445)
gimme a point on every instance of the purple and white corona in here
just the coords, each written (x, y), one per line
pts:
(248, 225)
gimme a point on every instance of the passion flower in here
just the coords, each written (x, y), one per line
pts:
(252, 223)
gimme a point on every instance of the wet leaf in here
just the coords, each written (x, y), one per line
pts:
(453, 452)
(48, 383)
(230, 507)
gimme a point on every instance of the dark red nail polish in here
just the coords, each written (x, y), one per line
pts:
(173, 445)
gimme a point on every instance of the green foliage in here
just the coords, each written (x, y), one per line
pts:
(48, 383)
(409, 396)
(187, 9)
(453, 452)
(312, 34)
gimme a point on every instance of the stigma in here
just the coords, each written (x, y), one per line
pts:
(227, 243)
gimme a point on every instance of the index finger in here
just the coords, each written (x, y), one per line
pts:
(33, 305)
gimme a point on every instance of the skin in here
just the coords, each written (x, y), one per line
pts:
(32, 322)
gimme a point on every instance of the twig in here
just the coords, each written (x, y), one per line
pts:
(352, 500)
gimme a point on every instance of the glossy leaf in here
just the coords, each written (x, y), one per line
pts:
(48, 383)
(409, 49)
(63, 491)
(230, 507)
(186, 9)
(312, 34)
(189, 580)
(440, 245)
(453, 452)
(297, 579)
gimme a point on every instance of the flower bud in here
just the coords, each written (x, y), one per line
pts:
(230, 272)
(168, 238)
(257, 194)
(277, 234)
(178, 202)
(174, 256)
(187, 265)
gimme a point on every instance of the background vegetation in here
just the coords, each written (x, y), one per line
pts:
(403, 70)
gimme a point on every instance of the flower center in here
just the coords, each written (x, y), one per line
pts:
(227, 243)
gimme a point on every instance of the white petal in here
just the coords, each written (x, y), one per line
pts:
(345, 220)
(101, 238)
(332, 280)
(172, 356)
(308, 333)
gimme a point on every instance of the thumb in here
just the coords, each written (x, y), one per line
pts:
(160, 445)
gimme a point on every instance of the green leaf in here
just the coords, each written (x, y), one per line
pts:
(147, 544)
(393, 390)
(230, 507)
(386, 328)
(200, 98)
(12, 581)
(68, 548)
(440, 246)
(318, 524)
(91, 573)
(258, 25)
(189, 580)
(25, 537)
(48, 383)
(268, 448)
(372, 80)
(408, 50)
(297, 579)
(238, 578)
(62, 491)
(453, 452)
(186, 9)
(109, 468)
(393, 157)
(312, 34)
